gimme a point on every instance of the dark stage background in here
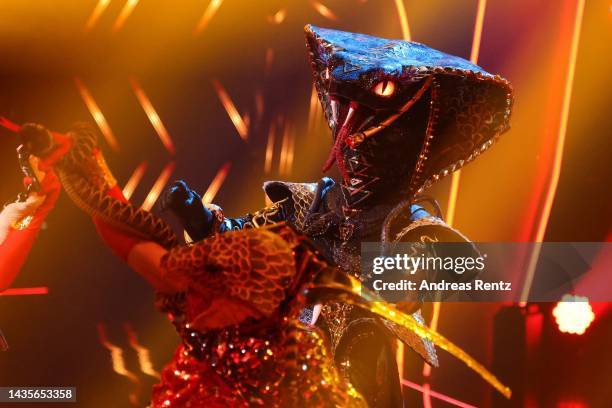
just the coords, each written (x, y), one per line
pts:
(255, 49)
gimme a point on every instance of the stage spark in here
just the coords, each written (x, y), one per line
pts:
(134, 180)
(212, 8)
(41, 290)
(323, 10)
(231, 110)
(558, 157)
(126, 11)
(158, 187)
(278, 17)
(270, 148)
(216, 184)
(401, 13)
(119, 362)
(96, 13)
(154, 118)
(144, 355)
(97, 115)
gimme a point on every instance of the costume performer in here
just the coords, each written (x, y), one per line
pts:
(235, 295)
(402, 116)
(21, 220)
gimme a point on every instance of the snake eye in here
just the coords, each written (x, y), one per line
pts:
(384, 88)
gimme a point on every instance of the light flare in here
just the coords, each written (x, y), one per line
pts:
(401, 13)
(126, 11)
(134, 180)
(41, 290)
(154, 118)
(158, 187)
(216, 183)
(323, 10)
(573, 314)
(97, 115)
(119, 363)
(231, 110)
(209, 13)
(270, 148)
(442, 397)
(278, 17)
(96, 13)
(144, 355)
(558, 157)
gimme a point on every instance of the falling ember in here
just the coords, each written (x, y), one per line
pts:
(323, 10)
(97, 115)
(216, 184)
(144, 356)
(119, 362)
(278, 17)
(212, 8)
(401, 12)
(154, 118)
(158, 187)
(134, 180)
(41, 290)
(231, 110)
(126, 11)
(96, 13)
(270, 148)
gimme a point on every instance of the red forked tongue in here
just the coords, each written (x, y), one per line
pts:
(335, 155)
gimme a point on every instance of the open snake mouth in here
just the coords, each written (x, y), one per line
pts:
(353, 122)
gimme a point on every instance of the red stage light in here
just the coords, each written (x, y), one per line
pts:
(573, 314)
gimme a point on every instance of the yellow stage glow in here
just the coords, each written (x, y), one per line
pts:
(323, 10)
(158, 187)
(154, 118)
(212, 8)
(97, 115)
(126, 11)
(401, 13)
(216, 183)
(231, 110)
(96, 13)
(134, 180)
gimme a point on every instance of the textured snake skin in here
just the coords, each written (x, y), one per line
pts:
(86, 178)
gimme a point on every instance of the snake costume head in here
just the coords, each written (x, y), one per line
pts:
(402, 115)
